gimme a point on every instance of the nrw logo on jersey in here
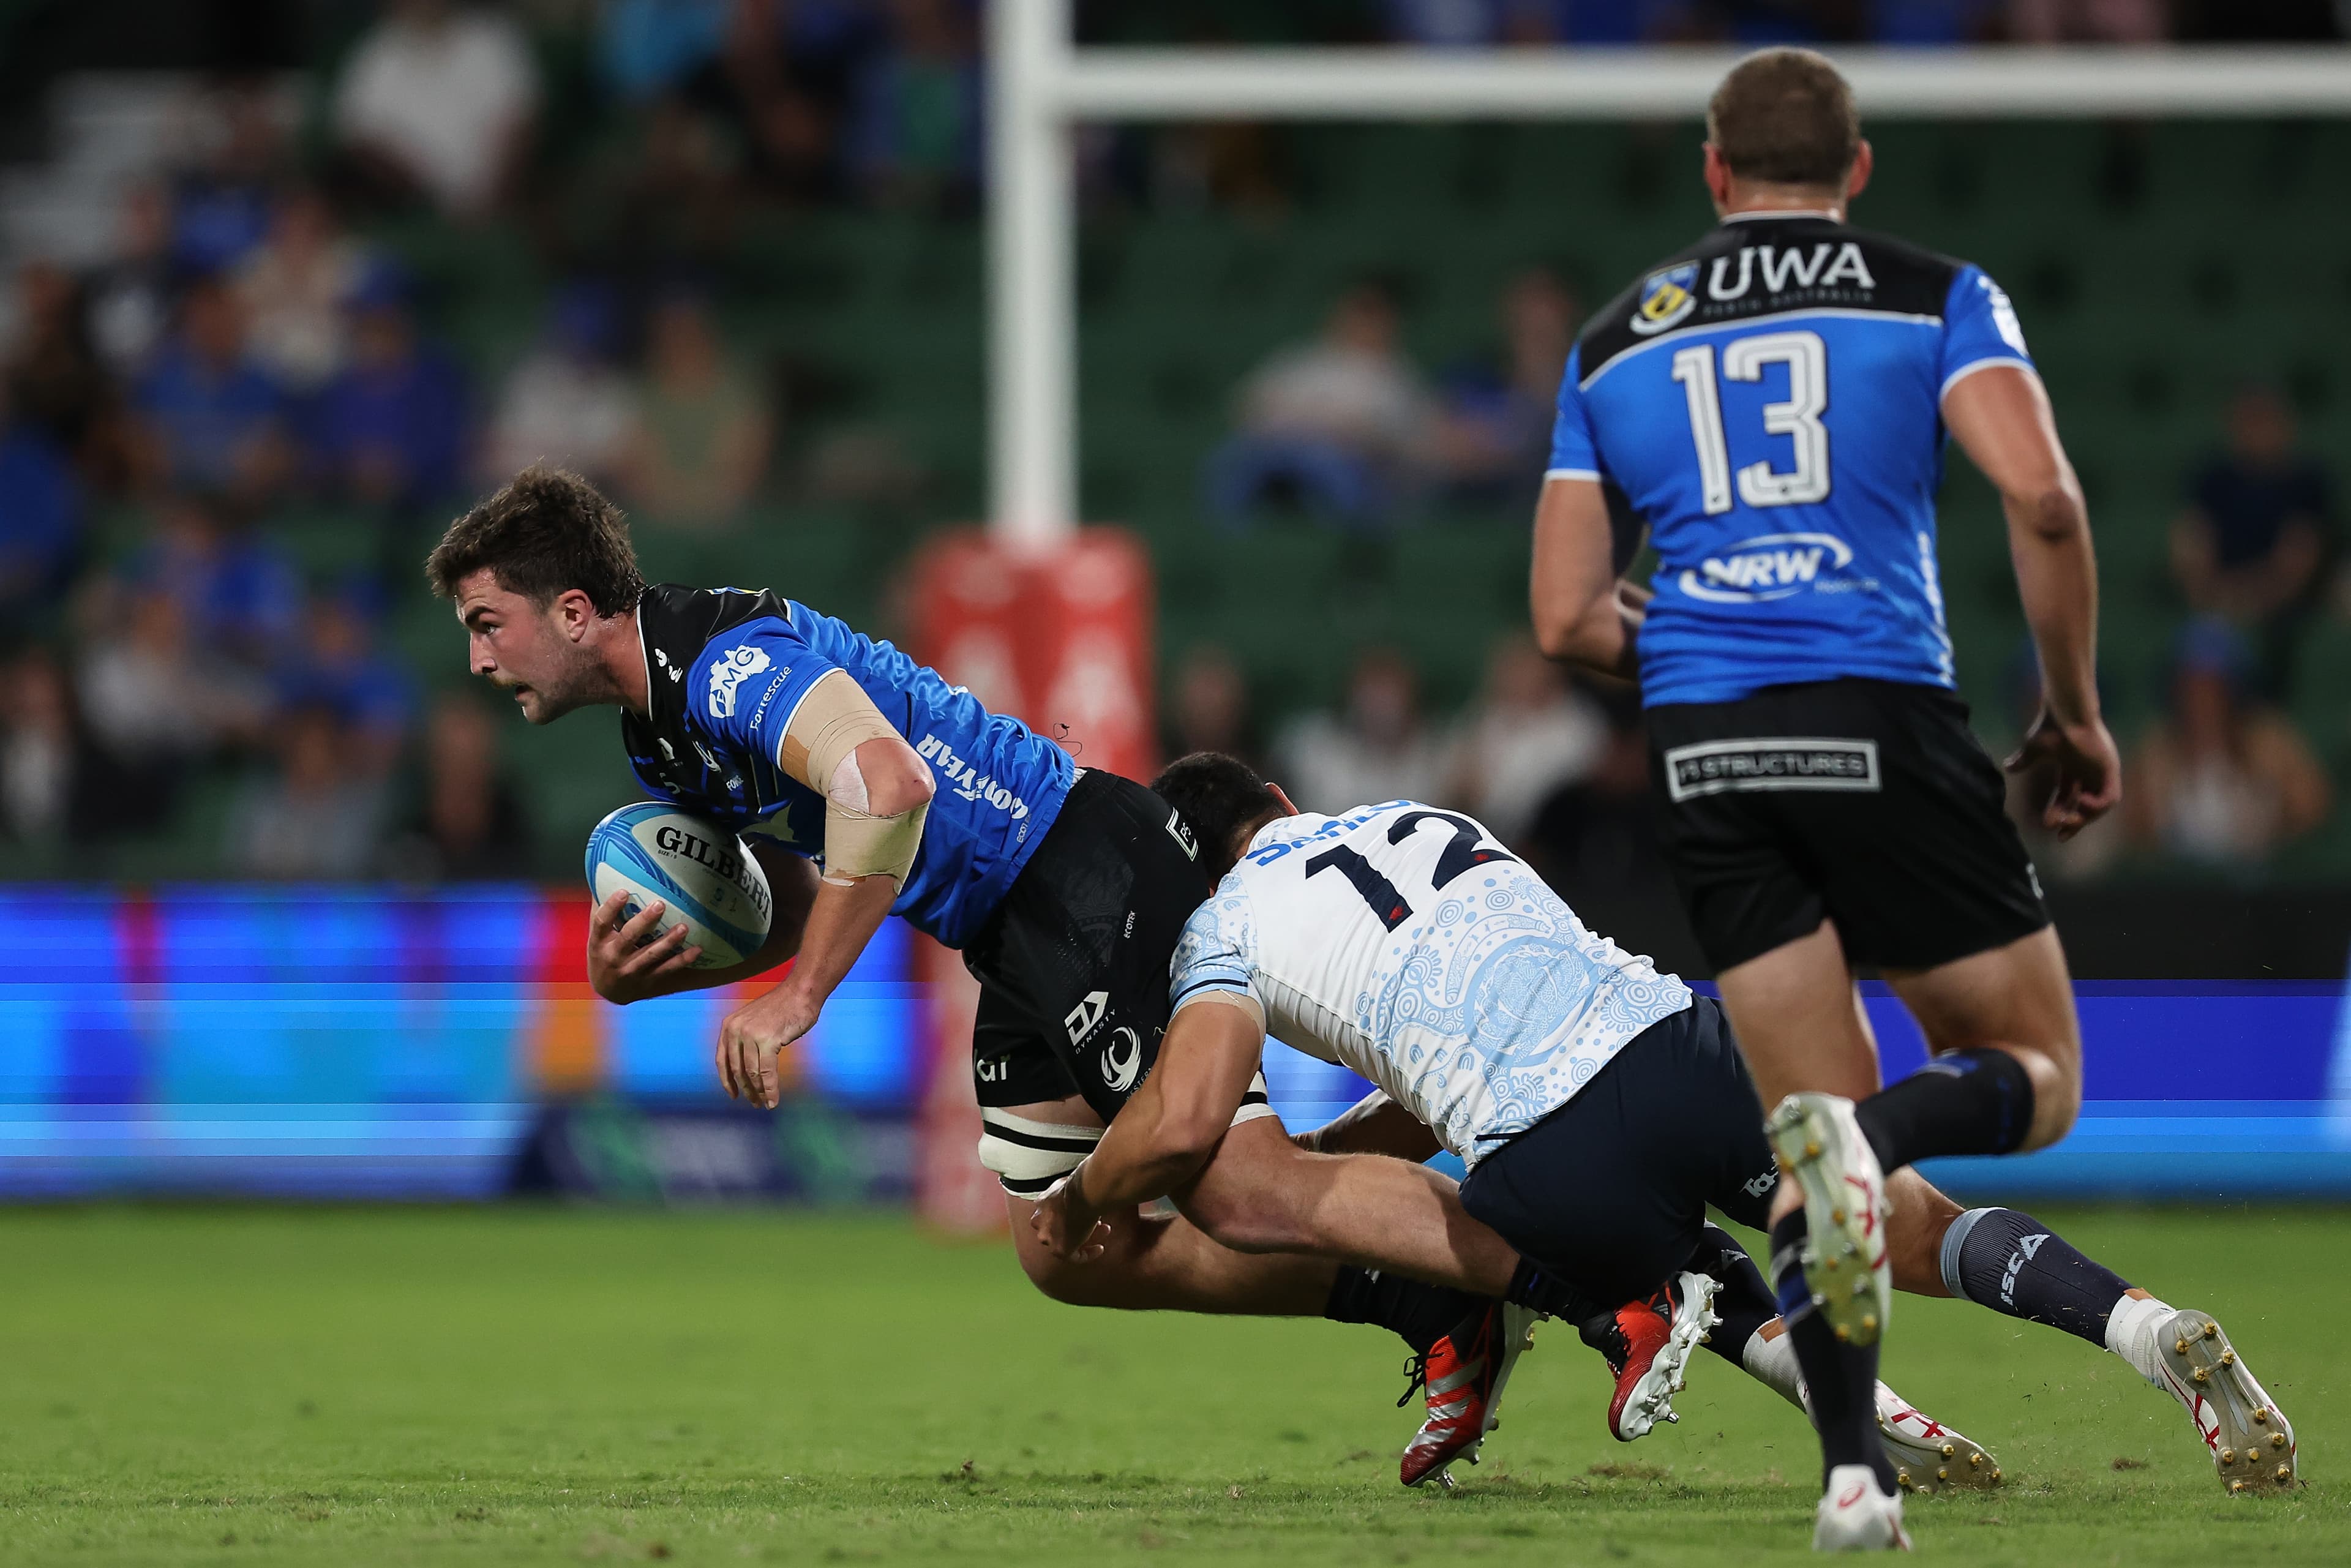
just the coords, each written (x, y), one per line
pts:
(1665, 298)
(1767, 567)
(728, 673)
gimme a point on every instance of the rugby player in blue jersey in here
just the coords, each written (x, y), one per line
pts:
(1065, 888)
(1773, 404)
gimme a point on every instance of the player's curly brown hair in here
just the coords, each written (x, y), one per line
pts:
(1785, 117)
(548, 531)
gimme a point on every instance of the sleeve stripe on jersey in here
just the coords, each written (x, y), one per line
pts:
(1993, 362)
(1550, 474)
(1818, 312)
(1215, 982)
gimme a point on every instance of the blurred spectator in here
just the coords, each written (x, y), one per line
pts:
(670, 204)
(2250, 544)
(1530, 734)
(917, 118)
(2221, 779)
(467, 823)
(438, 102)
(1208, 708)
(2088, 21)
(209, 418)
(317, 815)
(1339, 424)
(55, 379)
(704, 426)
(240, 598)
(1595, 841)
(40, 520)
(130, 304)
(793, 69)
(339, 666)
(221, 204)
(566, 404)
(390, 431)
(38, 749)
(1378, 748)
(155, 699)
(648, 46)
(1493, 435)
(295, 288)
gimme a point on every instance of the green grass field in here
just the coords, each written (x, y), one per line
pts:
(540, 1385)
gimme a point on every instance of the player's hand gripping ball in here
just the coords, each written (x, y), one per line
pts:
(703, 876)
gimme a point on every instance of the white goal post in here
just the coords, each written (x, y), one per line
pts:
(1040, 85)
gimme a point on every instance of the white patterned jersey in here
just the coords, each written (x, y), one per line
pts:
(1407, 945)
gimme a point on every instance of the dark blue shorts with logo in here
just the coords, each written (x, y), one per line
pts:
(1610, 1191)
(1866, 802)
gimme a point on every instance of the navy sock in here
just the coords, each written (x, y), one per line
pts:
(2012, 1263)
(1744, 1303)
(1535, 1286)
(1421, 1314)
(1841, 1378)
(1977, 1102)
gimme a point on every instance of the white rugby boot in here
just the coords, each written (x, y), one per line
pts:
(1928, 1455)
(1822, 1148)
(2184, 1353)
(1855, 1516)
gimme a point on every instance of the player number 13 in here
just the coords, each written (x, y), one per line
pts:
(1760, 484)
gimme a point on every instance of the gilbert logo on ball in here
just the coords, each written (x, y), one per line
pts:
(708, 879)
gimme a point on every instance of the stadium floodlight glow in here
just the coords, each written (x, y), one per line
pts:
(1041, 85)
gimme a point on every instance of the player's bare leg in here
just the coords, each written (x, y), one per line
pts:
(1262, 1193)
(2018, 1000)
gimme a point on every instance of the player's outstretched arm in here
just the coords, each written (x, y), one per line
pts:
(877, 793)
(624, 967)
(2002, 418)
(1579, 616)
(1163, 1136)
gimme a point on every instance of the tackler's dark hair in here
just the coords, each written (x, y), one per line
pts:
(547, 533)
(1216, 796)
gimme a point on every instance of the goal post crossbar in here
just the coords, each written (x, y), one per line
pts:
(1041, 87)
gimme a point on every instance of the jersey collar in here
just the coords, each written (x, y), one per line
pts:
(1773, 215)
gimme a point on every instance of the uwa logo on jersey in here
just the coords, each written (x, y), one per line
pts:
(1767, 567)
(1667, 297)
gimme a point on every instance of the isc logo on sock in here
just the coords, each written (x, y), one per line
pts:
(2025, 1249)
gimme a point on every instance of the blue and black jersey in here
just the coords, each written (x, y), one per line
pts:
(725, 669)
(1770, 402)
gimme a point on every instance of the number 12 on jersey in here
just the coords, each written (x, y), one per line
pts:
(1461, 852)
(1743, 358)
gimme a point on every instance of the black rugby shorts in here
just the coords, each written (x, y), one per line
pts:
(1072, 965)
(1865, 802)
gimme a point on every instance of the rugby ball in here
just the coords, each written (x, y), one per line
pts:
(702, 872)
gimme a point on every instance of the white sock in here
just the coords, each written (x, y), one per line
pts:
(2130, 1333)
(1773, 1362)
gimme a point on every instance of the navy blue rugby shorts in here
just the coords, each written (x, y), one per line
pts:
(1610, 1191)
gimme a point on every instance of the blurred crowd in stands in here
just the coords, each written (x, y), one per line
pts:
(243, 351)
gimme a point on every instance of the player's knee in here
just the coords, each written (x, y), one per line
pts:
(2056, 1096)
